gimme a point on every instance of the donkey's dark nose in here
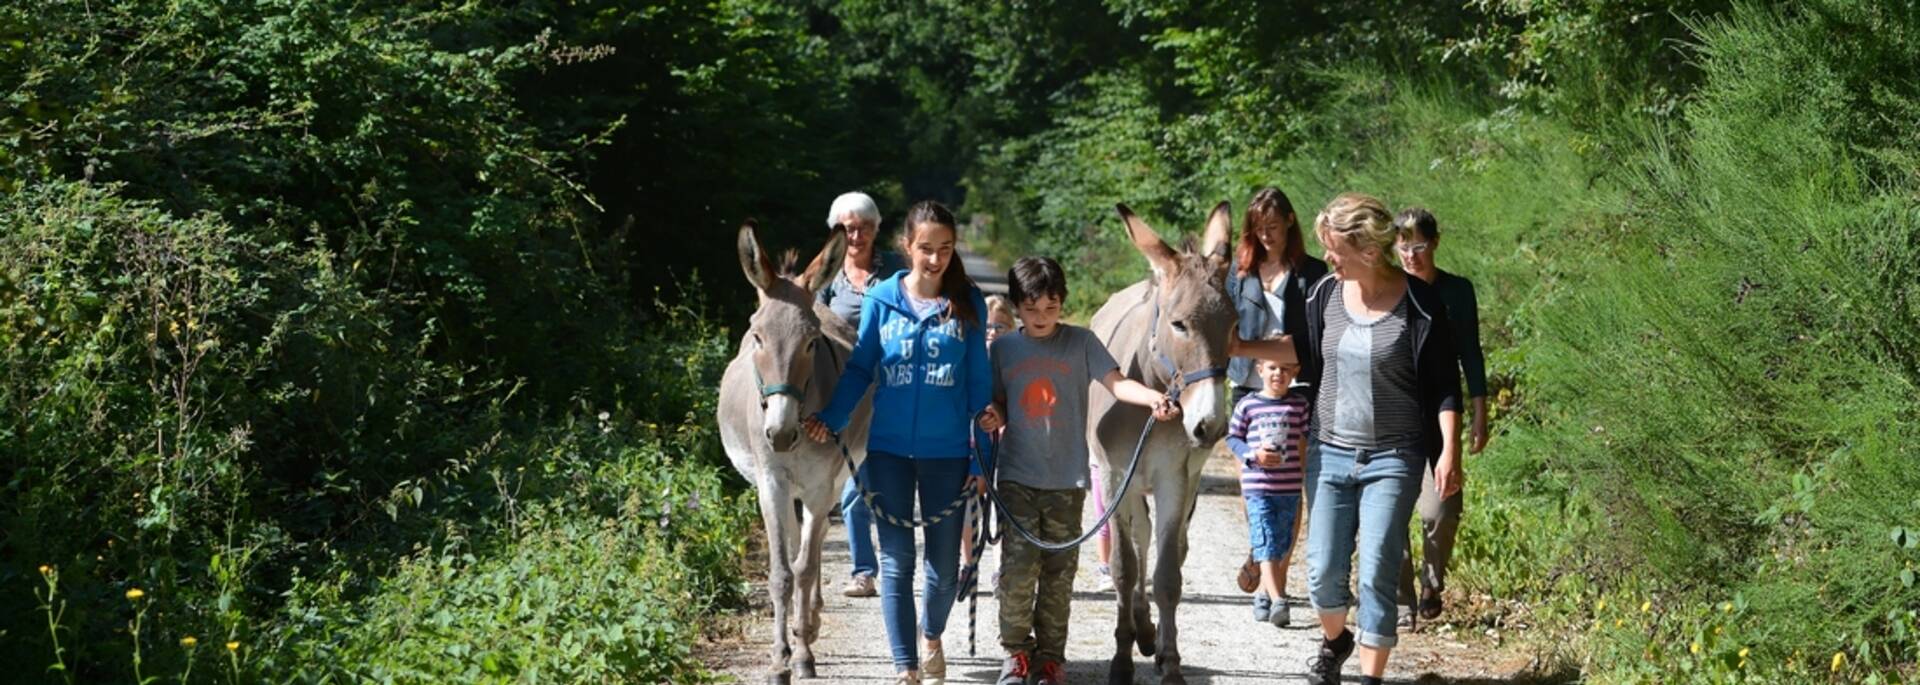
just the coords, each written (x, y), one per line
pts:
(1206, 431)
(783, 440)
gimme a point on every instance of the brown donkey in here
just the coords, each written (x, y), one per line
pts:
(788, 364)
(1170, 332)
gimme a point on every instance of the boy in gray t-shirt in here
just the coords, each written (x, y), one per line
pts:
(1040, 382)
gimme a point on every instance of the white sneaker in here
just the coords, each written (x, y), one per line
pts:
(1102, 578)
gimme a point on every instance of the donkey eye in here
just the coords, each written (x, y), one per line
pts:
(1180, 327)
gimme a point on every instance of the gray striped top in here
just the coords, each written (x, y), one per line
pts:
(1369, 395)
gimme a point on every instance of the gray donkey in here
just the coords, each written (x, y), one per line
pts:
(1170, 332)
(789, 361)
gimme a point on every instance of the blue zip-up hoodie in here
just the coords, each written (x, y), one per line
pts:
(933, 376)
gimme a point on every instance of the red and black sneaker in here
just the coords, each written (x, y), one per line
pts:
(1014, 670)
(1051, 673)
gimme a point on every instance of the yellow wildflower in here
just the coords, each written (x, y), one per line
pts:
(1646, 606)
(188, 642)
(233, 646)
(46, 570)
(1694, 648)
(1717, 630)
(135, 593)
(1744, 651)
(1839, 660)
(1600, 605)
(1619, 622)
(1726, 607)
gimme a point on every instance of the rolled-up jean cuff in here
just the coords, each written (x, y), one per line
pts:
(1377, 641)
(1330, 611)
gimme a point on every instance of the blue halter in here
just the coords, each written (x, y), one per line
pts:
(799, 394)
(1176, 381)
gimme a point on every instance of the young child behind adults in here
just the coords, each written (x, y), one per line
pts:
(1040, 381)
(1000, 321)
(1268, 434)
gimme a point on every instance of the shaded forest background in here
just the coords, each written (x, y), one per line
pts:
(377, 341)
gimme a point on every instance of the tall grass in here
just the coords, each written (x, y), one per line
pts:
(1703, 332)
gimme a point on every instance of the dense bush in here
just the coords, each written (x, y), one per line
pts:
(290, 294)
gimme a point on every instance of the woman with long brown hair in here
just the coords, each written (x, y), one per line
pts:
(1271, 275)
(923, 341)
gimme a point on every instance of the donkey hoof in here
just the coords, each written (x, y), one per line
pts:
(1173, 679)
(781, 678)
(1146, 641)
(1120, 672)
(803, 669)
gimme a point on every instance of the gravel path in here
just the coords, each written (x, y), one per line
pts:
(1219, 640)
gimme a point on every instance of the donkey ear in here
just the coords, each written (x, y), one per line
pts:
(827, 264)
(1149, 243)
(753, 260)
(1214, 242)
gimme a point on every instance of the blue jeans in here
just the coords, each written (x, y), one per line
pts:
(859, 526)
(1359, 500)
(1270, 525)
(896, 480)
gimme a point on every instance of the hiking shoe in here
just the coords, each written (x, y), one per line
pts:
(859, 586)
(1324, 669)
(908, 678)
(1051, 673)
(1262, 607)
(1249, 575)
(1279, 617)
(1406, 619)
(1014, 670)
(933, 671)
(1102, 578)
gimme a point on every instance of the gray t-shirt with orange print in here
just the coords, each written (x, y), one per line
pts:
(1043, 383)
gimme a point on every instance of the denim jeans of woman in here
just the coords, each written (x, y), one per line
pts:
(1359, 501)
(898, 480)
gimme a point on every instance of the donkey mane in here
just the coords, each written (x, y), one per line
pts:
(789, 263)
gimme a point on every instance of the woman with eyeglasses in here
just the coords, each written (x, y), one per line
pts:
(1417, 240)
(864, 268)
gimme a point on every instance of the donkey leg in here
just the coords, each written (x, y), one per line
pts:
(1132, 625)
(776, 512)
(1174, 497)
(813, 528)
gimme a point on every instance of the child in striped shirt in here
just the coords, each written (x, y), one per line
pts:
(1269, 435)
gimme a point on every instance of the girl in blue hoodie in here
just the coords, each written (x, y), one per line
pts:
(921, 338)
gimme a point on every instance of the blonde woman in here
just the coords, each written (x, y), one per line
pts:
(1376, 351)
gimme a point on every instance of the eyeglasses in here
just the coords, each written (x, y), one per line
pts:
(1411, 249)
(856, 227)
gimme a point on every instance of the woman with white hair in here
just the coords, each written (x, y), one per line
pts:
(865, 267)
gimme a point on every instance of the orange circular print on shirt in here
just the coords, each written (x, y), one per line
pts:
(1038, 399)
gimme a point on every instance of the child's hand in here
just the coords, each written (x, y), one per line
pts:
(1166, 409)
(1269, 458)
(990, 419)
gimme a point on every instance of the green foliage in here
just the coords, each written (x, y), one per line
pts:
(284, 288)
(603, 586)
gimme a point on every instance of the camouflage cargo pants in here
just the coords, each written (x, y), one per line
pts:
(1036, 586)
